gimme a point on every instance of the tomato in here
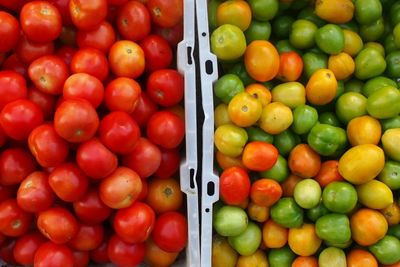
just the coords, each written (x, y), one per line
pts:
(352, 42)
(248, 241)
(99, 254)
(126, 59)
(330, 39)
(234, 12)
(339, 197)
(302, 34)
(87, 15)
(234, 185)
(27, 51)
(133, 15)
(369, 63)
(170, 231)
(76, 120)
(100, 38)
(332, 256)
(342, 65)
(14, 221)
(335, 12)
(230, 220)
(384, 249)
(304, 161)
(91, 61)
(157, 52)
(289, 184)
(51, 254)
(262, 60)
(26, 247)
(364, 130)
(144, 110)
(392, 213)
(275, 118)
(244, 109)
(359, 257)
(287, 213)
(122, 94)
(375, 194)
(165, 87)
(9, 32)
(13, 63)
(305, 261)
(88, 237)
(6, 251)
(379, 103)
(328, 173)
(81, 258)
(164, 195)
(34, 193)
(322, 78)
(165, 13)
(62, 6)
(170, 162)
(333, 228)
(351, 105)
(15, 165)
(45, 101)
(158, 257)
(12, 87)
(281, 257)
(173, 34)
(291, 94)
(265, 192)
(86, 86)
(257, 213)
(274, 235)
(307, 193)
(125, 254)
(304, 240)
(389, 175)
(228, 42)
(290, 66)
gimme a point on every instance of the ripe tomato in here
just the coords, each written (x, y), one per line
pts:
(50, 254)
(135, 223)
(274, 234)
(69, 182)
(88, 237)
(34, 193)
(76, 120)
(126, 59)
(100, 38)
(259, 156)
(170, 231)
(81, 258)
(133, 15)
(90, 209)
(91, 61)
(66, 53)
(13, 63)
(12, 87)
(322, 78)
(9, 32)
(164, 195)
(290, 67)
(57, 224)
(27, 51)
(119, 132)
(234, 185)
(166, 13)
(26, 247)
(45, 101)
(124, 254)
(265, 192)
(86, 15)
(304, 161)
(157, 52)
(121, 188)
(99, 254)
(361, 258)
(3, 137)
(170, 160)
(122, 94)
(144, 159)
(86, 86)
(63, 8)
(7, 192)
(155, 256)
(368, 226)
(144, 110)
(15, 165)
(173, 34)
(96, 160)
(165, 87)
(6, 251)
(328, 173)
(14, 221)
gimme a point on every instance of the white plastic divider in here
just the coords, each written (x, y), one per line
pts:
(209, 179)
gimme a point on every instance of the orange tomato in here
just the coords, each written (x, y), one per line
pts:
(328, 173)
(392, 213)
(364, 130)
(156, 257)
(305, 261)
(304, 161)
(368, 226)
(244, 109)
(261, 60)
(342, 65)
(235, 12)
(321, 87)
(303, 240)
(360, 258)
(259, 91)
(338, 11)
(290, 66)
(244, 204)
(392, 265)
(164, 195)
(259, 156)
(265, 192)
(274, 235)
(226, 162)
(257, 213)
(289, 184)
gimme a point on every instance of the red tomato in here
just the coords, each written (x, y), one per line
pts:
(117, 2)
(45, 101)
(15, 5)
(164, 195)
(259, 156)
(81, 258)
(121, 188)
(165, 87)
(3, 138)
(15, 165)
(99, 254)
(91, 61)
(145, 158)
(157, 52)
(170, 160)
(328, 173)
(6, 251)
(170, 231)
(133, 15)
(9, 31)
(69, 182)
(40, 21)
(119, 132)
(86, 86)
(35, 194)
(100, 38)
(63, 8)
(90, 209)
(13, 63)
(290, 67)
(76, 120)
(135, 223)
(126, 59)
(88, 237)
(26, 247)
(166, 13)
(96, 160)
(48, 74)
(47, 146)
(86, 15)
(145, 190)
(173, 35)
(27, 51)
(50, 254)
(122, 94)
(166, 129)
(7, 192)
(234, 185)
(12, 87)
(124, 254)
(66, 53)
(57, 224)
(144, 110)
(14, 221)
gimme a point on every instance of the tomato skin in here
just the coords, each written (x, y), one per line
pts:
(9, 31)
(155, 256)
(6, 251)
(84, 86)
(13, 63)
(87, 238)
(304, 161)
(170, 231)
(328, 173)
(100, 38)
(15, 165)
(165, 87)
(234, 185)
(45, 101)
(133, 15)
(14, 221)
(290, 67)
(34, 193)
(81, 258)
(7, 192)
(99, 254)
(87, 15)
(265, 192)
(66, 52)
(27, 51)
(122, 94)
(165, 13)
(173, 34)
(164, 195)
(90, 209)
(259, 156)
(12, 87)
(145, 108)
(125, 254)
(51, 254)
(126, 59)
(170, 160)
(157, 52)
(26, 247)
(91, 61)
(261, 60)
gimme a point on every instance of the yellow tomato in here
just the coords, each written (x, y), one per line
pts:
(364, 130)
(260, 92)
(375, 195)
(258, 259)
(221, 115)
(275, 118)
(244, 109)
(230, 139)
(235, 12)
(303, 240)
(274, 235)
(292, 94)
(342, 65)
(392, 213)
(321, 87)
(257, 213)
(337, 11)
(352, 42)
(361, 163)
(226, 162)
(223, 255)
(391, 143)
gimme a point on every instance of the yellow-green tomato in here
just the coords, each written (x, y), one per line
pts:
(223, 255)
(332, 257)
(230, 139)
(307, 193)
(375, 195)
(275, 118)
(244, 109)
(292, 94)
(258, 258)
(221, 115)
(391, 143)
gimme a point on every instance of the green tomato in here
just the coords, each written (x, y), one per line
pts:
(340, 245)
(373, 31)
(228, 42)
(327, 140)
(332, 257)
(367, 11)
(330, 39)
(339, 197)
(230, 221)
(257, 134)
(396, 35)
(351, 105)
(292, 94)
(353, 85)
(393, 64)
(391, 143)
(248, 241)
(226, 87)
(239, 70)
(317, 212)
(212, 13)
(334, 228)
(390, 175)
(285, 46)
(279, 172)
(313, 62)
(376, 46)
(304, 118)
(369, 63)
(281, 257)
(281, 26)
(394, 13)
(286, 141)
(309, 14)
(375, 84)
(339, 89)
(394, 230)
(307, 193)
(386, 250)
(389, 44)
(287, 213)
(230, 139)
(391, 123)
(329, 118)
(302, 34)
(264, 10)
(258, 30)
(384, 103)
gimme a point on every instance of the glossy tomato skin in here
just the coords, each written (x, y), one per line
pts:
(95, 159)
(170, 231)
(144, 110)
(9, 31)
(81, 258)
(87, 15)
(34, 193)
(126, 59)
(46, 102)
(91, 61)
(125, 254)
(15, 165)
(88, 237)
(100, 38)
(173, 34)
(119, 132)
(12, 87)
(234, 185)
(165, 87)
(157, 52)
(170, 160)
(133, 15)
(13, 63)
(47, 146)
(76, 120)
(166, 13)
(135, 223)
(164, 195)
(50, 254)
(14, 221)
(86, 86)
(26, 247)
(40, 21)
(122, 94)
(27, 51)
(57, 224)
(90, 209)
(66, 53)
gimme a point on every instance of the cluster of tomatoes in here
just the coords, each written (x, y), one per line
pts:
(91, 126)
